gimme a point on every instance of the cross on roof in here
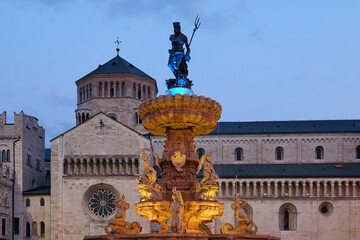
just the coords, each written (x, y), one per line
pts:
(117, 47)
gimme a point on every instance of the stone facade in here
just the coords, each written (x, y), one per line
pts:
(322, 208)
(99, 156)
(99, 159)
(117, 95)
(26, 139)
(261, 149)
(6, 186)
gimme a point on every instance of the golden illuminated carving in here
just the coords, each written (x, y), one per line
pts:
(178, 160)
(147, 186)
(175, 222)
(182, 204)
(180, 112)
(245, 226)
(208, 187)
(118, 225)
(197, 213)
(157, 212)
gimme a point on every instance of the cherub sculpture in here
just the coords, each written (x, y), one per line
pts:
(175, 224)
(147, 186)
(245, 226)
(210, 176)
(208, 187)
(118, 225)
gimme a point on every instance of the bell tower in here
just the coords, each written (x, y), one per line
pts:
(115, 88)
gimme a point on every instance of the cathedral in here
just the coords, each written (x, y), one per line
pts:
(301, 179)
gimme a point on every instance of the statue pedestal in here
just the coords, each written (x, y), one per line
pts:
(187, 236)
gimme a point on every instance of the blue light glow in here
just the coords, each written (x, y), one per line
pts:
(179, 90)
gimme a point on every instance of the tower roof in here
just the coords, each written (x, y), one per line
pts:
(118, 65)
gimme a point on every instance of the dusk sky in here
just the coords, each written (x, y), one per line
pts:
(261, 60)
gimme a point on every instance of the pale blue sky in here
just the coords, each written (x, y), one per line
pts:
(261, 60)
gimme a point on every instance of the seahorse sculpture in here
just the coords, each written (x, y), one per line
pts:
(118, 225)
(245, 226)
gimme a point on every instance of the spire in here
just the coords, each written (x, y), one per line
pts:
(117, 47)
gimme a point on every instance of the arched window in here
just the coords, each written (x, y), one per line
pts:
(139, 92)
(287, 217)
(134, 90)
(87, 116)
(358, 152)
(42, 229)
(136, 118)
(3, 155)
(113, 116)
(123, 89)
(100, 90)
(82, 117)
(28, 231)
(34, 228)
(319, 152)
(199, 153)
(248, 211)
(279, 153)
(27, 202)
(6, 200)
(238, 154)
(112, 91)
(8, 155)
(42, 202)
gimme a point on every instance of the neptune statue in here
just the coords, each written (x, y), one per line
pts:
(178, 58)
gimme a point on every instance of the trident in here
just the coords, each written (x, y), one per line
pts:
(197, 25)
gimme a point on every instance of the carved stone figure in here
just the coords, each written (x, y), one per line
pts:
(178, 160)
(147, 186)
(208, 187)
(175, 223)
(210, 176)
(118, 225)
(245, 226)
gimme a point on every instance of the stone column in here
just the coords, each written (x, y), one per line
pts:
(297, 190)
(83, 168)
(276, 193)
(261, 189)
(354, 189)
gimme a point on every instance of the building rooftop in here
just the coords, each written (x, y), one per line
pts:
(287, 127)
(38, 191)
(118, 65)
(321, 170)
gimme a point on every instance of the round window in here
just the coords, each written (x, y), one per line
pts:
(326, 208)
(99, 201)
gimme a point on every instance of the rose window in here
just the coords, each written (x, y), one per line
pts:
(101, 203)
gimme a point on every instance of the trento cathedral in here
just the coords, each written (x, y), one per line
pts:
(301, 179)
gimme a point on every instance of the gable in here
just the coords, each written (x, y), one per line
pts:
(101, 135)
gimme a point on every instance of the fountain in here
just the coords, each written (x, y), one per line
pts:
(181, 202)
